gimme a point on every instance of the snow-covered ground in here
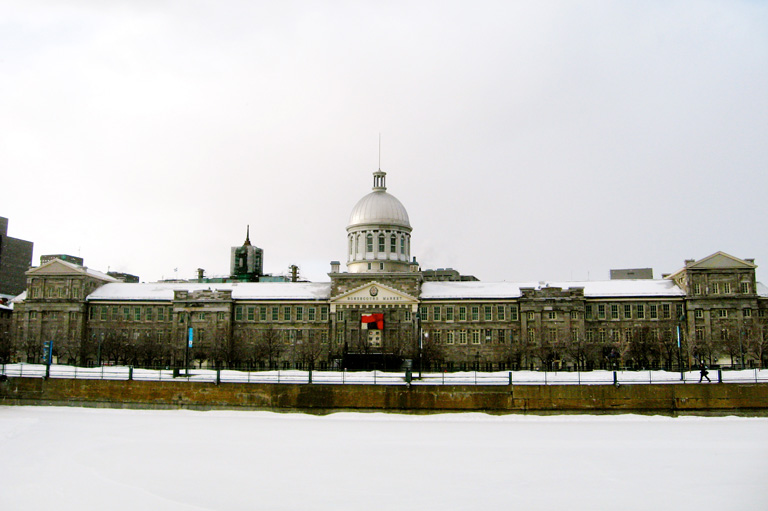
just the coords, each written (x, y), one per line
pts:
(387, 378)
(84, 459)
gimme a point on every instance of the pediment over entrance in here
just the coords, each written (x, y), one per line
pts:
(374, 294)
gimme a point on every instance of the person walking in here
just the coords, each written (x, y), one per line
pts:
(703, 372)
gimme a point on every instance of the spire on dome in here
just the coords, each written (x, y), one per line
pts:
(379, 181)
(247, 236)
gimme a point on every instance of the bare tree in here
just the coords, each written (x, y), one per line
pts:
(268, 346)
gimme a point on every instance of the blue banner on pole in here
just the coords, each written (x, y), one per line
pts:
(191, 337)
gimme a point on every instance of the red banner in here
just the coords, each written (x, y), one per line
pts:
(372, 322)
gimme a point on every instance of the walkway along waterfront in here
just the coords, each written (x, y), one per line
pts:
(372, 392)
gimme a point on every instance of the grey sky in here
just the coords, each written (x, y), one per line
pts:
(527, 140)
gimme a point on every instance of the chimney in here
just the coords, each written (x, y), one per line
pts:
(335, 266)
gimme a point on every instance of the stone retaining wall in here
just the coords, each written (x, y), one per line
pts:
(317, 398)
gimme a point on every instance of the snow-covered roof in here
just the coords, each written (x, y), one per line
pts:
(762, 290)
(240, 290)
(592, 289)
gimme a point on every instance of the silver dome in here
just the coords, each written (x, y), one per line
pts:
(379, 207)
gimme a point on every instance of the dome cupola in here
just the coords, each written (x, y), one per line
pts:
(379, 232)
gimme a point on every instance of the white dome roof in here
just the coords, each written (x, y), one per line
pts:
(379, 207)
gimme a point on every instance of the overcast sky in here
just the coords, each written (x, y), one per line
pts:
(538, 140)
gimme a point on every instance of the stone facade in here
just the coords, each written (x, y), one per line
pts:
(712, 309)
(15, 259)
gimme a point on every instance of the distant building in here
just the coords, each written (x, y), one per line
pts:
(446, 275)
(124, 277)
(64, 257)
(633, 273)
(15, 260)
(247, 261)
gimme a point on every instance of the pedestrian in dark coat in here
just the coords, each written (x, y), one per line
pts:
(703, 372)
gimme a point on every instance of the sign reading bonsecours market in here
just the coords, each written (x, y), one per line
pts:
(191, 337)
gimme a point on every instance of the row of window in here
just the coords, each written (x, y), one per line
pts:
(633, 311)
(281, 313)
(718, 288)
(725, 313)
(381, 245)
(468, 313)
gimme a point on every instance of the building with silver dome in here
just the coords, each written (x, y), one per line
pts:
(384, 312)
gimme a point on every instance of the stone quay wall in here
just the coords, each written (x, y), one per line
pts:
(741, 398)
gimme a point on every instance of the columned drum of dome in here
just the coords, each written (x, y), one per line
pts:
(379, 232)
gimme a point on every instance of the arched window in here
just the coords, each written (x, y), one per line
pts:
(393, 244)
(381, 243)
(359, 243)
(402, 245)
(351, 245)
(369, 242)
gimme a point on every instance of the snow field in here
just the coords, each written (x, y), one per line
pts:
(82, 459)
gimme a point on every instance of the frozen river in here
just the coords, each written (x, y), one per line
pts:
(82, 459)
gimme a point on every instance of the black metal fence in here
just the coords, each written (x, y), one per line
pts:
(598, 377)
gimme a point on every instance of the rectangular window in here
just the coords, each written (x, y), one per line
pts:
(148, 314)
(665, 312)
(601, 335)
(679, 310)
(286, 313)
(251, 313)
(462, 337)
(627, 311)
(531, 335)
(601, 311)
(699, 334)
(500, 313)
(475, 313)
(407, 315)
(161, 314)
(747, 313)
(697, 289)
(531, 316)
(475, 336)
(436, 336)
(640, 311)
(614, 311)
(449, 313)
(381, 243)
(715, 288)
(488, 313)
(323, 313)
(513, 315)
(722, 313)
(299, 313)
(239, 313)
(654, 312)
(201, 316)
(552, 335)
(449, 338)
(275, 313)
(574, 315)
(588, 336)
(551, 315)
(339, 315)
(588, 311)
(310, 314)
(104, 313)
(745, 288)
(698, 314)
(137, 314)
(393, 244)
(262, 313)
(436, 313)
(462, 313)
(574, 335)
(726, 287)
